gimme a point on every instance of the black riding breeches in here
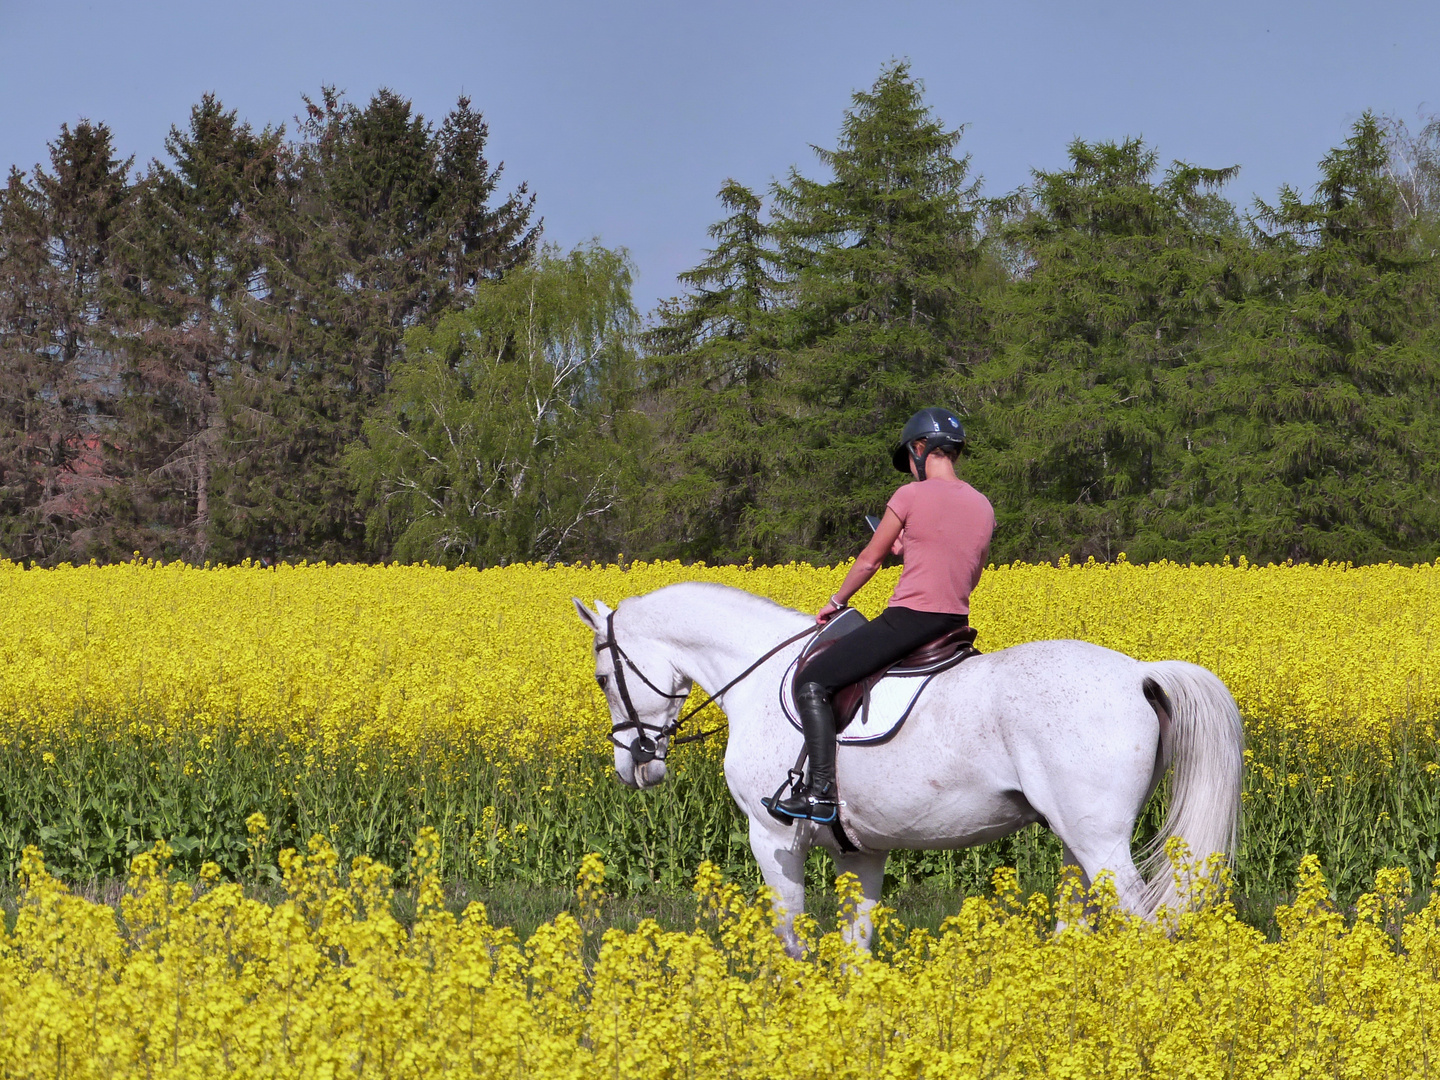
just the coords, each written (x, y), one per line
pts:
(897, 632)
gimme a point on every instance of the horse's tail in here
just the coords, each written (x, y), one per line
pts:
(1205, 744)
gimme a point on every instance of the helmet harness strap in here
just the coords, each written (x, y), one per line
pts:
(919, 459)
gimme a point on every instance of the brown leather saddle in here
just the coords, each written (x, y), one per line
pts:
(930, 659)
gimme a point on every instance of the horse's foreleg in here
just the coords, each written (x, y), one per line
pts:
(869, 867)
(782, 863)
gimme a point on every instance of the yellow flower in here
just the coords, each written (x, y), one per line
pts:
(402, 659)
(327, 982)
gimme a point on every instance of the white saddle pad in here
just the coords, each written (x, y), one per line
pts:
(880, 715)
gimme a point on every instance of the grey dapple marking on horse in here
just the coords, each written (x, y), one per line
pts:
(1061, 731)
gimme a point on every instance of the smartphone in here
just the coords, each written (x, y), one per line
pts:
(872, 521)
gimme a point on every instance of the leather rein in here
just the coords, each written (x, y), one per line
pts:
(643, 747)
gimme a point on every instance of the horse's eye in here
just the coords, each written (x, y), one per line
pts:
(603, 680)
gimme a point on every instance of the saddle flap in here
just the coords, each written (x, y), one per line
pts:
(848, 699)
(848, 620)
(842, 624)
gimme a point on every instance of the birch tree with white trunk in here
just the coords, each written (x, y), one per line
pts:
(498, 439)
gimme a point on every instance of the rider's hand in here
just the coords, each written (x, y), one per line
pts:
(898, 547)
(828, 612)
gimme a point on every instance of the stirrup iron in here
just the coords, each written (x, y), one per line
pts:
(793, 780)
(829, 815)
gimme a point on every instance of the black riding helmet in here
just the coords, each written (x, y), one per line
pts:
(938, 427)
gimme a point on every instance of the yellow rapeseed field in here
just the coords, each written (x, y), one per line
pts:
(203, 981)
(343, 697)
(409, 657)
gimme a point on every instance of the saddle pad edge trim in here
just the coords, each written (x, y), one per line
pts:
(890, 733)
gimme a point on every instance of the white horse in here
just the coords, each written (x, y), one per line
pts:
(1061, 732)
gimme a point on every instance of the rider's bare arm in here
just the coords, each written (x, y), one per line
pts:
(866, 563)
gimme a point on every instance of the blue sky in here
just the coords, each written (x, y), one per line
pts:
(626, 118)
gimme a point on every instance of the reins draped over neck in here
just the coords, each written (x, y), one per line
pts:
(643, 747)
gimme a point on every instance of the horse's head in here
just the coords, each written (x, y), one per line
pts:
(644, 692)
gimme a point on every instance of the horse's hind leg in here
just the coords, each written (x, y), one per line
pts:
(1093, 847)
(1068, 859)
(1091, 800)
(869, 867)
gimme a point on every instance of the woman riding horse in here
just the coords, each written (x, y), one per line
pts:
(942, 528)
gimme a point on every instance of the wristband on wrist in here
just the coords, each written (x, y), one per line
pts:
(839, 604)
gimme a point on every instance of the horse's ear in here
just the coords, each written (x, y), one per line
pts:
(602, 607)
(589, 618)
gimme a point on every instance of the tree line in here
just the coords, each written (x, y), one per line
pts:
(348, 342)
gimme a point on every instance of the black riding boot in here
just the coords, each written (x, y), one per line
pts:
(817, 798)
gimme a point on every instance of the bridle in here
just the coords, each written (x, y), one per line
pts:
(643, 748)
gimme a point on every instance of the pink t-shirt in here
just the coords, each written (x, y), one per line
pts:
(947, 530)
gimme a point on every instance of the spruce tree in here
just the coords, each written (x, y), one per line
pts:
(480, 239)
(1124, 275)
(1333, 379)
(880, 263)
(384, 225)
(194, 276)
(714, 360)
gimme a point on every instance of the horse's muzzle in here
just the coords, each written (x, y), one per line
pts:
(649, 774)
(638, 774)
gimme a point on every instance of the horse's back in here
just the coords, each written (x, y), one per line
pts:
(1046, 678)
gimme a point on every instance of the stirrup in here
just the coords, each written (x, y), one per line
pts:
(822, 811)
(772, 804)
(826, 817)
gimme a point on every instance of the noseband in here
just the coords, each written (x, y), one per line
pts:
(643, 748)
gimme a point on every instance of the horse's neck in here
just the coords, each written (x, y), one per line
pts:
(714, 634)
